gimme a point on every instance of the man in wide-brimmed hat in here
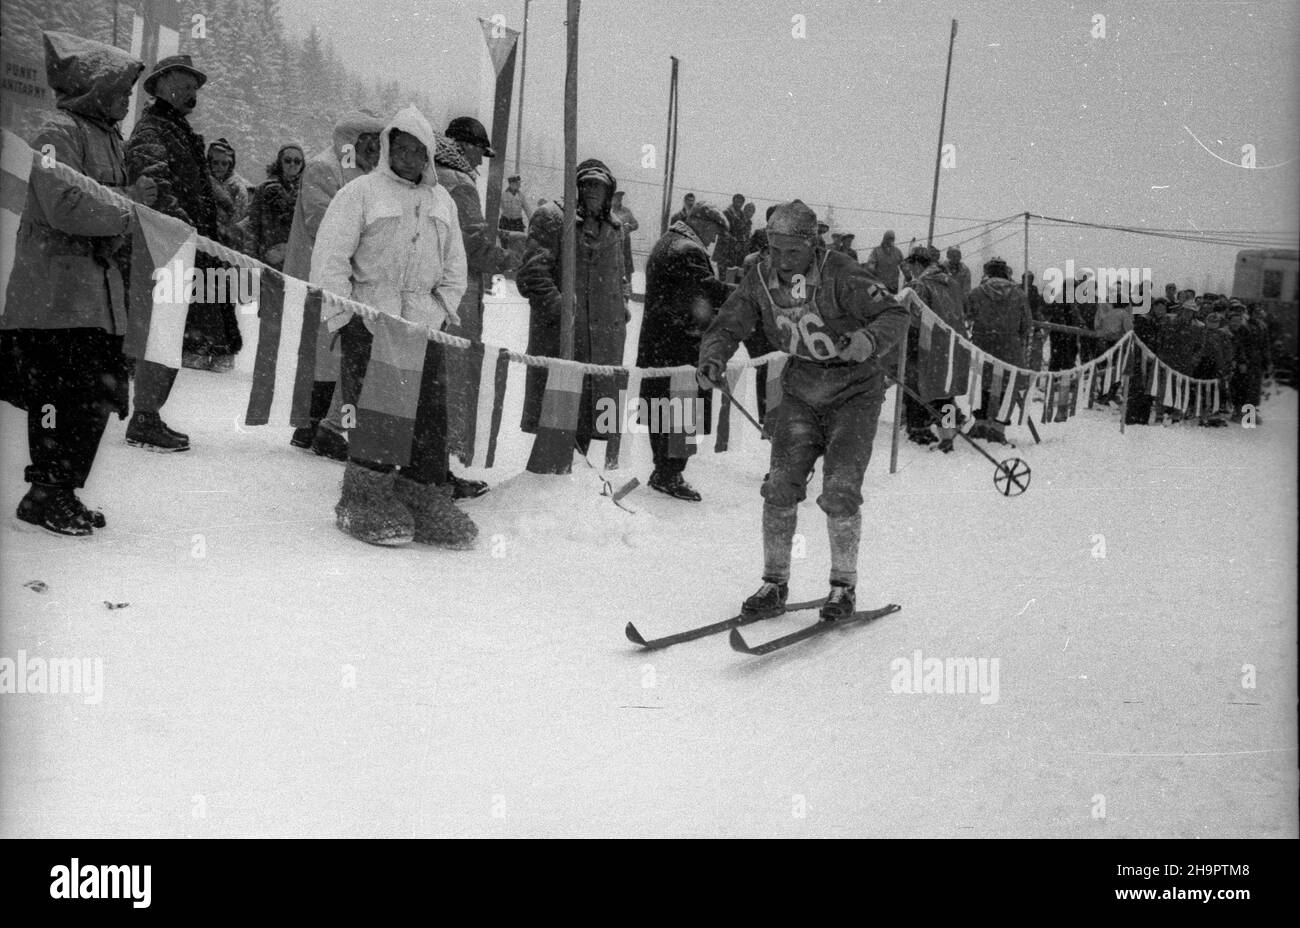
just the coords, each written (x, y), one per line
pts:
(165, 148)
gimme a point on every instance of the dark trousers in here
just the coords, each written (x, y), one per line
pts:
(153, 384)
(69, 380)
(1064, 350)
(429, 442)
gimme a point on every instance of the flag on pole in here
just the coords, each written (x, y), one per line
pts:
(557, 428)
(15, 171)
(391, 393)
(162, 278)
(286, 350)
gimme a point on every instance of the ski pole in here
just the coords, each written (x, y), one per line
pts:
(743, 411)
(1009, 472)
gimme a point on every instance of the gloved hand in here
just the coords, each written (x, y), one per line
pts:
(709, 375)
(857, 346)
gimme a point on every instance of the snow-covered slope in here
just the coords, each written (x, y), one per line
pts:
(270, 676)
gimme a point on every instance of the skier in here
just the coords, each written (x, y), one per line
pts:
(834, 319)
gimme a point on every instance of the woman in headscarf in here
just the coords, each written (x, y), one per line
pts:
(230, 191)
(271, 216)
(600, 314)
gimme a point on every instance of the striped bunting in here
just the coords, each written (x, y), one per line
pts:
(286, 349)
(613, 433)
(391, 393)
(558, 424)
(156, 329)
(684, 425)
(15, 171)
(484, 400)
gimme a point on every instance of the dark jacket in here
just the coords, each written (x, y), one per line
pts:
(483, 255)
(841, 298)
(71, 259)
(270, 219)
(682, 296)
(600, 320)
(165, 148)
(999, 319)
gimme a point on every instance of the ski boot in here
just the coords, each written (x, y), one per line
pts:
(327, 443)
(840, 604)
(768, 601)
(674, 486)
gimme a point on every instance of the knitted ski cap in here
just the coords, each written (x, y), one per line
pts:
(592, 169)
(711, 213)
(793, 218)
(223, 145)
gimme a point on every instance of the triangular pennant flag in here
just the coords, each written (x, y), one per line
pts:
(162, 271)
(464, 375)
(1007, 389)
(633, 438)
(933, 359)
(390, 395)
(687, 415)
(493, 365)
(775, 393)
(959, 384)
(556, 429)
(500, 41)
(1169, 387)
(614, 431)
(15, 172)
(1024, 382)
(286, 349)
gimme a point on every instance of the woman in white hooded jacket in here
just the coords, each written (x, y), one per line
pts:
(392, 240)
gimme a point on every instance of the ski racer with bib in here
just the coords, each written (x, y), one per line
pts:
(837, 323)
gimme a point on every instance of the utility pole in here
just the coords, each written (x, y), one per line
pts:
(523, 71)
(569, 241)
(943, 117)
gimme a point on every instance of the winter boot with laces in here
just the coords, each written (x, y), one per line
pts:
(147, 430)
(369, 510)
(841, 603)
(768, 601)
(674, 486)
(437, 520)
(55, 509)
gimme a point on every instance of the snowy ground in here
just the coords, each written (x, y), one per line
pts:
(271, 677)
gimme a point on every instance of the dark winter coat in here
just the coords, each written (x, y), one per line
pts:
(682, 296)
(600, 314)
(934, 287)
(999, 319)
(483, 254)
(164, 147)
(71, 260)
(1183, 346)
(883, 264)
(270, 220)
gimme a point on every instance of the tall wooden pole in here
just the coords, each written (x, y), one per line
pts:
(523, 71)
(568, 247)
(670, 151)
(943, 118)
(1025, 276)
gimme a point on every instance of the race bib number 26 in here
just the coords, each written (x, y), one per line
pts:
(808, 333)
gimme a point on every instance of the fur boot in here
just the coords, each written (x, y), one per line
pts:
(437, 520)
(369, 510)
